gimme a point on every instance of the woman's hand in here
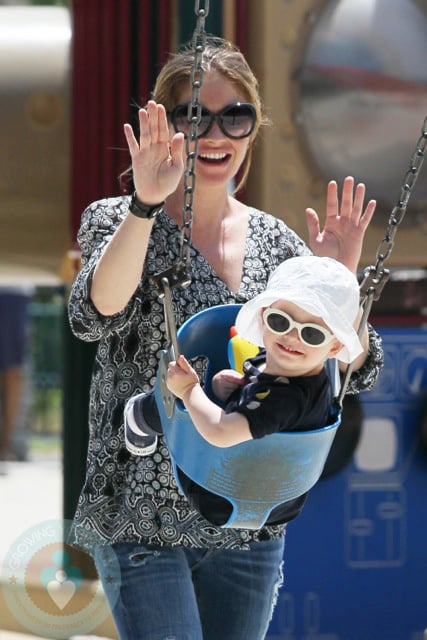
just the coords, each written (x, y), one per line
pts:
(345, 224)
(157, 160)
(181, 377)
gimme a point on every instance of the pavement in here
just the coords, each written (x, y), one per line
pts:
(30, 494)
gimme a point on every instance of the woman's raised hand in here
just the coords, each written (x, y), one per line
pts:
(157, 159)
(345, 224)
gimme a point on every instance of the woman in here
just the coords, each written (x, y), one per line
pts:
(180, 576)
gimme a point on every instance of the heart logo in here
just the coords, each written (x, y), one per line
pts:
(61, 592)
(61, 583)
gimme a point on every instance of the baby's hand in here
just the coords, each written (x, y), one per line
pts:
(181, 377)
(225, 382)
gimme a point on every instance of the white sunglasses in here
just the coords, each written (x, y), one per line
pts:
(280, 323)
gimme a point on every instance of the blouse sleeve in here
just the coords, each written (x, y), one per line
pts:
(99, 221)
(365, 378)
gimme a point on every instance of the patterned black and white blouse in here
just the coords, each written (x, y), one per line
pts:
(128, 498)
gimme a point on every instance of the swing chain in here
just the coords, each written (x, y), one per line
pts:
(194, 115)
(179, 273)
(376, 276)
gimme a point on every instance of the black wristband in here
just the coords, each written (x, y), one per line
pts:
(141, 210)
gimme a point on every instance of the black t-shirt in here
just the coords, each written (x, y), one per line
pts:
(277, 403)
(270, 404)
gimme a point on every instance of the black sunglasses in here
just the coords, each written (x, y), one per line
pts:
(235, 121)
(280, 323)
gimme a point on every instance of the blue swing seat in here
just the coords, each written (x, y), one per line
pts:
(254, 476)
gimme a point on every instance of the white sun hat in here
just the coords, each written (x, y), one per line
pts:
(321, 286)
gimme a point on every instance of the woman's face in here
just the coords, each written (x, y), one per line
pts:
(219, 157)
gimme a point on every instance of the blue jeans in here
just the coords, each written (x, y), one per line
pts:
(178, 593)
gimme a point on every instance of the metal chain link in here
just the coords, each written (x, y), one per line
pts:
(194, 115)
(179, 273)
(376, 276)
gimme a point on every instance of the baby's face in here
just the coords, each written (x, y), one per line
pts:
(296, 350)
